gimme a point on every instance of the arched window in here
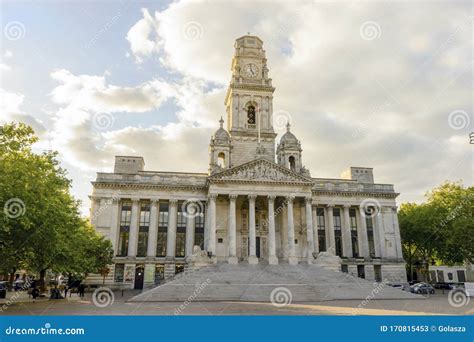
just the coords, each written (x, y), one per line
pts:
(221, 159)
(251, 115)
(292, 163)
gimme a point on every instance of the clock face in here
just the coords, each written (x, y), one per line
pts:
(250, 70)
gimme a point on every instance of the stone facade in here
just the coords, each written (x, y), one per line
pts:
(256, 204)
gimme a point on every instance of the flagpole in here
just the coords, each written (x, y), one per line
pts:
(258, 123)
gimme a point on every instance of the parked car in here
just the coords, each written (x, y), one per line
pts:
(443, 285)
(413, 282)
(422, 288)
(3, 289)
(397, 286)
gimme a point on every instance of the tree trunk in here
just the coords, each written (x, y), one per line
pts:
(12, 278)
(42, 284)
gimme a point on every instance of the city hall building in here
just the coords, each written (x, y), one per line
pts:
(256, 204)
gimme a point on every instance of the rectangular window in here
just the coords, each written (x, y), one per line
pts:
(337, 231)
(118, 274)
(124, 232)
(163, 217)
(159, 273)
(143, 229)
(370, 236)
(353, 223)
(181, 231)
(199, 228)
(378, 273)
(321, 229)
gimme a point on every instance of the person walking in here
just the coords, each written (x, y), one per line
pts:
(81, 289)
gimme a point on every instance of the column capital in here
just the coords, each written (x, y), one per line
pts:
(252, 198)
(271, 198)
(290, 198)
(308, 200)
(135, 200)
(212, 197)
(346, 206)
(329, 206)
(173, 201)
(395, 208)
(115, 200)
(233, 197)
(154, 200)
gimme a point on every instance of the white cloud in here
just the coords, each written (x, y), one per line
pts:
(141, 44)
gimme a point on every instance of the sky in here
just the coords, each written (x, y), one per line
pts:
(372, 84)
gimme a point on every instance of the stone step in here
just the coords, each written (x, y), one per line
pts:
(303, 283)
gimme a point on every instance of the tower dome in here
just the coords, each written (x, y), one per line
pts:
(289, 139)
(221, 136)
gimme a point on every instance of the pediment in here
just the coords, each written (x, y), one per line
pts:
(260, 170)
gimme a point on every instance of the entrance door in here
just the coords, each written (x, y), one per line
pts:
(139, 276)
(257, 246)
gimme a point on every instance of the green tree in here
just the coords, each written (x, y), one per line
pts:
(41, 227)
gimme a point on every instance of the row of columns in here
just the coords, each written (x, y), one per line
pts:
(152, 229)
(211, 223)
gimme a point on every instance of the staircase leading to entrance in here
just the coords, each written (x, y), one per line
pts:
(244, 282)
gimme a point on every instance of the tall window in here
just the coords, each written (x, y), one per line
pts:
(199, 228)
(337, 231)
(221, 159)
(370, 234)
(251, 115)
(124, 234)
(163, 219)
(353, 222)
(291, 160)
(143, 229)
(118, 273)
(321, 229)
(181, 230)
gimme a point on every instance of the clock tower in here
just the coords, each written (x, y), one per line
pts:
(248, 103)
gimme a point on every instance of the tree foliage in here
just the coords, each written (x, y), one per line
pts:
(40, 224)
(440, 229)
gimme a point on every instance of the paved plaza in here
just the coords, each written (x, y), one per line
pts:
(434, 305)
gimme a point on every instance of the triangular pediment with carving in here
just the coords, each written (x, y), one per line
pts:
(260, 170)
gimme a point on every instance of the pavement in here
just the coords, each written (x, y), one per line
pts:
(437, 304)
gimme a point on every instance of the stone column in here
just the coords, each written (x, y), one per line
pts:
(252, 231)
(309, 228)
(396, 228)
(192, 209)
(292, 260)
(362, 235)
(346, 233)
(380, 232)
(272, 257)
(114, 224)
(232, 258)
(171, 236)
(315, 229)
(153, 234)
(330, 238)
(212, 224)
(206, 227)
(133, 237)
